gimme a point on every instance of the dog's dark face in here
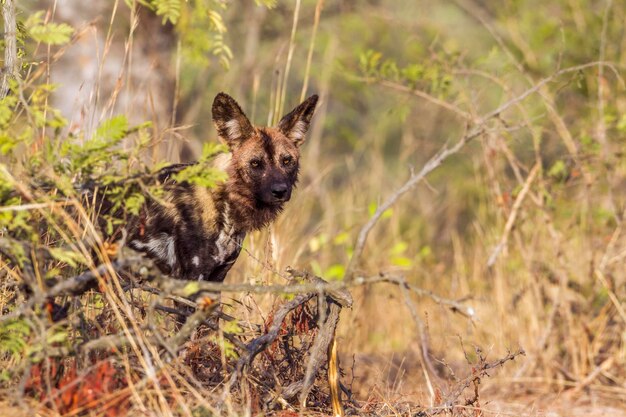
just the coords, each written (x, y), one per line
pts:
(268, 164)
(264, 164)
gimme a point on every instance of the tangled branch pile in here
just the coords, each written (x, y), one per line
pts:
(87, 360)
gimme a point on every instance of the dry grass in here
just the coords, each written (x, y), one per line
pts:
(537, 255)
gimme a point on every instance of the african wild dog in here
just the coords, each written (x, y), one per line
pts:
(197, 233)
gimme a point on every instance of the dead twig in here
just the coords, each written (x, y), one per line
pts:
(337, 290)
(259, 344)
(318, 352)
(79, 284)
(329, 310)
(399, 280)
(191, 324)
(427, 366)
(340, 295)
(478, 371)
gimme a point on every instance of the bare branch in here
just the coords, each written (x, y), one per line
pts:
(318, 352)
(430, 166)
(443, 154)
(427, 365)
(421, 94)
(179, 289)
(341, 295)
(332, 289)
(79, 284)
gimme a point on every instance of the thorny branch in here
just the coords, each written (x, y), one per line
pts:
(170, 287)
(478, 371)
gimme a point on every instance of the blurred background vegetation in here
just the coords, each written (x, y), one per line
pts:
(524, 224)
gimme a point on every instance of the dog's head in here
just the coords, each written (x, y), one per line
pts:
(265, 160)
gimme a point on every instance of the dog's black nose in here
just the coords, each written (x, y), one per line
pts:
(279, 190)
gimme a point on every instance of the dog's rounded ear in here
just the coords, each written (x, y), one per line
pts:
(296, 123)
(231, 123)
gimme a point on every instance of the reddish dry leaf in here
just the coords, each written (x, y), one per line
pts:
(80, 393)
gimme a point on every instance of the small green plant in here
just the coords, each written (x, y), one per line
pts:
(14, 337)
(199, 24)
(431, 77)
(47, 32)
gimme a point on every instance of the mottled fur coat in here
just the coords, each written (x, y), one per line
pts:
(196, 233)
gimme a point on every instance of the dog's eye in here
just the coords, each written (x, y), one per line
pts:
(255, 163)
(287, 160)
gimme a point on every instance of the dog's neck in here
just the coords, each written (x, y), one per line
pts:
(245, 212)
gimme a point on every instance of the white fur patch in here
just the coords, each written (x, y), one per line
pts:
(298, 131)
(222, 161)
(171, 251)
(227, 241)
(222, 244)
(233, 129)
(161, 247)
(227, 223)
(195, 260)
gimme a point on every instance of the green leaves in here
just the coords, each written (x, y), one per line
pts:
(201, 29)
(558, 170)
(14, 337)
(113, 129)
(199, 25)
(202, 173)
(15, 220)
(227, 347)
(49, 33)
(134, 202)
(373, 207)
(270, 4)
(190, 289)
(168, 9)
(87, 157)
(398, 255)
(369, 62)
(621, 124)
(7, 111)
(430, 77)
(14, 130)
(68, 256)
(7, 104)
(335, 272)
